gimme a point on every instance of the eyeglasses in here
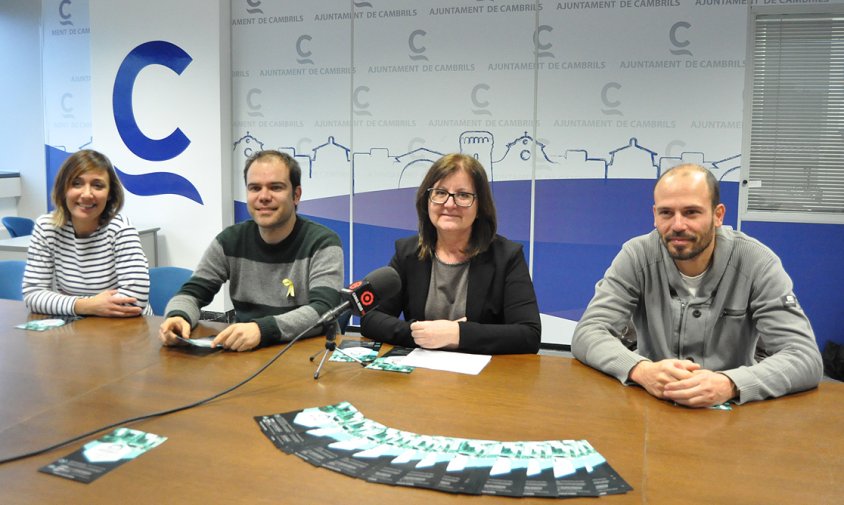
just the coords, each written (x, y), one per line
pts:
(461, 198)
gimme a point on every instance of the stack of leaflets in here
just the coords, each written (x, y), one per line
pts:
(391, 361)
(340, 438)
(46, 324)
(103, 455)
(364, 350)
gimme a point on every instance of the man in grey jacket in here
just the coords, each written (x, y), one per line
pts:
(706, 303)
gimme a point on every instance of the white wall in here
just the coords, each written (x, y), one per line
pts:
(21, 112)
(553, 99)
(160, 70)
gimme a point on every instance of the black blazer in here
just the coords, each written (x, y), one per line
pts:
(501, 310)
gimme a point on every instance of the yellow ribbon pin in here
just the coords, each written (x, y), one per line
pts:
(290, 292)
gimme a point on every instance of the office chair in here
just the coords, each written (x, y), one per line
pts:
(18, 226)
(164, 282)
(11, 279)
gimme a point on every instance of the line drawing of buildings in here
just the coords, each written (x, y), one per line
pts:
(333, 169)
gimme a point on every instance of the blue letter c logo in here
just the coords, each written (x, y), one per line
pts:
(149, 53)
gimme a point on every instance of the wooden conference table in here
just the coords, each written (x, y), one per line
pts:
(63, 382)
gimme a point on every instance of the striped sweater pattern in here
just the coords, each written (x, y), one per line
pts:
(61, 267)
(283, 288)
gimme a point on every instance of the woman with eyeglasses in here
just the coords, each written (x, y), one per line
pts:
(464, 287)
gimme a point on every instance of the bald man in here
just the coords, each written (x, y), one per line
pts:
(702, 300)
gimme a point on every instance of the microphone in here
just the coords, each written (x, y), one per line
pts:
(364, 295)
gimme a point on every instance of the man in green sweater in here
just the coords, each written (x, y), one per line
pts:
(703, 300)
(284, 271)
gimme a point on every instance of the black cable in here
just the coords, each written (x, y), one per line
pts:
(157, 414)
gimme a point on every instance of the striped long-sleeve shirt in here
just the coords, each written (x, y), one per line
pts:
(61, 267)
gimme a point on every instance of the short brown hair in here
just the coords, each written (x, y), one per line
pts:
(289, 161)
(711, 181)
(75, 165)
(485, 225)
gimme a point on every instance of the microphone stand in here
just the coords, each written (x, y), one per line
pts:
(330, 328)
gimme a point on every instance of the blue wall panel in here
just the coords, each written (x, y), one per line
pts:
(812, 256)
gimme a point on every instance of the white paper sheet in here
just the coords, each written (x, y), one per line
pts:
(471, 364)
